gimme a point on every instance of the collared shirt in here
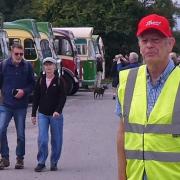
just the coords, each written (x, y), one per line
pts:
(153, 90)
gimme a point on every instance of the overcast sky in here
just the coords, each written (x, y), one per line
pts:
(176, 0)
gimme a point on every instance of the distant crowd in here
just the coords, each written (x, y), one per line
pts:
(132, 60)
(120, 63)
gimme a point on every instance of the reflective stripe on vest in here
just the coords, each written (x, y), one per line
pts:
(153, 128)
(129, 92)
(158, 156)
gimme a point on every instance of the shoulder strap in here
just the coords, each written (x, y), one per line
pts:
(26, 67)
(40, 80)
(3, 65)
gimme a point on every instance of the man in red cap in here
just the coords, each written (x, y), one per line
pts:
(148, 141)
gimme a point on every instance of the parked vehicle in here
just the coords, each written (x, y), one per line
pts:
(47, 39)
(4, 52)
(25, 32)
(86, 53)
(4, 41)
(66, 51)
(47, 42)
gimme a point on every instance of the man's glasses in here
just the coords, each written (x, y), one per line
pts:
(16, 54)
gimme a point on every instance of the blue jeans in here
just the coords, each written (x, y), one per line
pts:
(6, 115)
(56, 129)
(2, 122)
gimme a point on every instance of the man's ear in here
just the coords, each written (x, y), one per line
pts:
(171, 43)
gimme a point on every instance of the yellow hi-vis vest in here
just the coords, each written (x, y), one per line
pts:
(151, 144)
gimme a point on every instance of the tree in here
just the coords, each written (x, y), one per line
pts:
(114, 20)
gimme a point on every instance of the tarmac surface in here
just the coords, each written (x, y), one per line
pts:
(89, 148)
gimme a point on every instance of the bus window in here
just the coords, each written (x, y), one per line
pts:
(13, 41)
(91, 50)
(81, 45)
(46, 51)
(56, 44)
(29, 50)
(81, 49)
(63, 47)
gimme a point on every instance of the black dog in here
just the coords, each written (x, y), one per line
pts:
(98, 91)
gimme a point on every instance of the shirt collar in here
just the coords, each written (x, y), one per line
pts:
(165, 74)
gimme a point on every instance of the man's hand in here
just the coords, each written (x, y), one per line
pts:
(56, 114)
(19, 94)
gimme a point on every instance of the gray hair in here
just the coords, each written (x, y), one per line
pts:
(134, 56)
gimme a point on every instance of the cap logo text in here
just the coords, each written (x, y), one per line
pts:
(156, 23)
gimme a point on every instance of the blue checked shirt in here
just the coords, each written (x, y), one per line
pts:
(153, 91)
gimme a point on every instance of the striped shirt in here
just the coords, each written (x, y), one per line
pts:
(153, 90)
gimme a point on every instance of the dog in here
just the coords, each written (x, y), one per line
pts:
(99, 91)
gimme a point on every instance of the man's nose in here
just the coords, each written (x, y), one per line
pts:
(149, 43)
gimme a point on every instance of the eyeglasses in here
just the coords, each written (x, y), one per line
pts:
(16, 54)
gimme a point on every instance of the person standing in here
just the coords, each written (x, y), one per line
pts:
(17, 82)
(114, 74)
(148, 139)
(49, 99)
(99, 70)
(173, 56)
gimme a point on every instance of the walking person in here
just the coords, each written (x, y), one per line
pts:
(114, 74)
(49, 99)
(17, 82)
(99, 70)
(148, 141)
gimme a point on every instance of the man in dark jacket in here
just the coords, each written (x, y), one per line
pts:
(49, 99)
(17, 82)
(133, 62)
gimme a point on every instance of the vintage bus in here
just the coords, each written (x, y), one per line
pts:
(66, 51)
(52, 44)
(47, 39)
(25, 32)
(86, 53)
(4, 41)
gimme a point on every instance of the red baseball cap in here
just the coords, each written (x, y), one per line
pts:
(154, 21)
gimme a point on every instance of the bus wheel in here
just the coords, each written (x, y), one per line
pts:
(75, 88)
(68, 83)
